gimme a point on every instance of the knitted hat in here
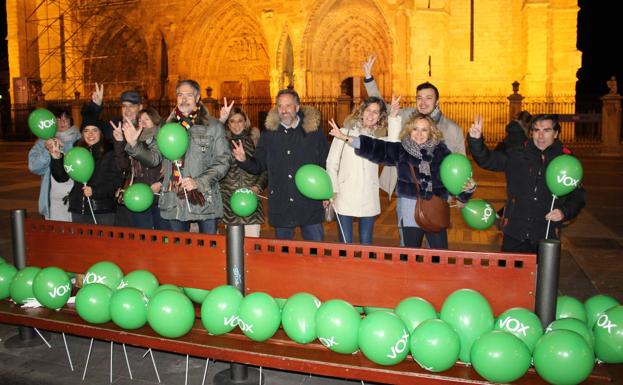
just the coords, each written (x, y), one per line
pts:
(91, 121)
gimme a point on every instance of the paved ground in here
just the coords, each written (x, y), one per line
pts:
(592, 262)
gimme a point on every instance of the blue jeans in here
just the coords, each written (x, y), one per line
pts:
(413, 237)
(313, 232)
(150, 219)
(207, 226)
(366, 226)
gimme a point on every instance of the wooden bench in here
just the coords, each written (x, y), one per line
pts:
(361, 275)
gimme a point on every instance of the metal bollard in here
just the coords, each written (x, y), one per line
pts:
(548, 271)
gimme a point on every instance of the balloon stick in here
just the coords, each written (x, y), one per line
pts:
(205, 371)
(339, 223)
(127, 362)
(71, 365)
(186, 378)
(111, 361)
(44, 340)
(153, 362)
(86, 365)
(548, 222)
(91, 207)
(185, 193)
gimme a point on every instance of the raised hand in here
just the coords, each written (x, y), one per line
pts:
(225, 110)
(475, 131)
(131, 133)
(117, 131)
(367, 66)
(395, 107)
(98, 94)
(238, 151)
(54, 147)
(335, 130)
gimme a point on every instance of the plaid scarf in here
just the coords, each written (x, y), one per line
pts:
(415, 150)
(187, 121)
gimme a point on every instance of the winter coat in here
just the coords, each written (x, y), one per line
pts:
(39, 163)
(452, 133)
(237, 178)
(206, 161)
(105, 180)
(282, 152)
(528, 198)
(355, 179)
(133, 171)
(515, 137)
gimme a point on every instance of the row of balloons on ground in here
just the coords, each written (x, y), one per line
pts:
(563, 174)
(501, 350)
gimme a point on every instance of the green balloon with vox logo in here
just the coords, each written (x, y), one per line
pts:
(219, 310)
(243, 202)
(596, 306)
(143, 280)
(42, 123)
(79, 164)
(384, 338)
(337, 326)
(259, 316)
(522, 323)
(105, 272)
(51, 287)
(298, 317)
(608, 332)
(478, 214)
(563, 174)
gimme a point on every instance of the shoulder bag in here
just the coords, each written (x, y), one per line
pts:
(432, 215)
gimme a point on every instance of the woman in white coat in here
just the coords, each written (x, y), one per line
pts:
(355, 179)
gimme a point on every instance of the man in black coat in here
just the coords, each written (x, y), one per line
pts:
(292, 139)
(529, 200)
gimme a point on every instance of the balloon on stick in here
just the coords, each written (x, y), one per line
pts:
(93, 303)
(219, 310)
(243, 202)
(104, 272)
(383, 338)
(142, 280)
(21, 286)
(562, 357)
(172, 141)
(259, 316)
(435, 345)
(42, 123)
(415, 310)
(196, 295)
(522, 323)
(563, 175)
(313, 182)
(51, 287)
(128, 308)
(569, 307)
(138, 197)
(596, 306)
(478, 214)
(500, 357)
(79, 164)
(298, 317)
(170, 313)
(337, 326)
(455, 170)
(608, 332)
(7, 273)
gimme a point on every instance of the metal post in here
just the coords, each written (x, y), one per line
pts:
(548, 270)
(237, 373)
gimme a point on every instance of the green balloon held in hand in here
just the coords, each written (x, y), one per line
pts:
(562, 357)
(337, 326)
(51, 287)
(219, 310)
(171, 314)
(298, 317)
(7, 273)
(196, 295)
(105, 272)
(259, 316)
(563, 175)
(435, 345)
(42, 123)
(93, 303)
(142, 280)
(79, 164)
(523, 324)
(172, 141)
(569, 307)
(243, 202)
(608, 332)
(128, 308)
(415, 310)
(383, 338)
(21, 286)
(478, 214)
(138, 197)
(500, 357)
(596, 306)
(455, 170)
(313, 182)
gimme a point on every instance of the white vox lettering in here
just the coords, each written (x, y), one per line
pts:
(566, 180)
(245, 327)
(328, 342)
(487, 213)
(59, 291)
(231, 321)
(93, 278)
(45, 123)
(317, 302)
(513, 325)
(604, 322)
(400, 345)
(122, 284)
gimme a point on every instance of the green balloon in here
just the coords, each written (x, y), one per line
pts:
(128, 308)
(500, 357)
(142, 280)
(469, 313)
(2, 260)
(42, 123)
(569, 307)
(596, 306)
(21, 285)
(106, 273)
(435, 345)
(167, 287)
(415, 310)
(313, 182)
(372, 309)
(243, 202)
(337, 326)
(172, 141)
(562, 357)
(574, 325)
(259, 316)
(281, 302)
(171, 314)
(383, 338)
(523, 324)
(455, 170)
(359, 309)
(51, 287)
(478, 214)
(138, 197)
(298, 317)
(219, 310)
(7, 273)
(79, 164)
(608, 331)
(93, 303)
(563, 174)
(196, 295)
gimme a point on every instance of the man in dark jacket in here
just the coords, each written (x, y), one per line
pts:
(292, 139)
(529, 200)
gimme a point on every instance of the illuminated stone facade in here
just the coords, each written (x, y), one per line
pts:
(253, 48)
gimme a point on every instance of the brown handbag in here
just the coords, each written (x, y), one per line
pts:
(432, 215)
